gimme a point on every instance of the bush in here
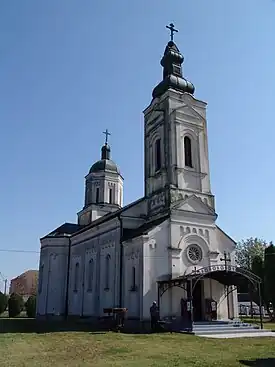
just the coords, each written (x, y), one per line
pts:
(15, 304)
(30, 306)
(3, 302)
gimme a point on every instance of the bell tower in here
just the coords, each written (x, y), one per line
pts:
(103, 187)
(176, 146)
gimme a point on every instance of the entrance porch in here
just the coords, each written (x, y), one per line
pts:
(206, 294)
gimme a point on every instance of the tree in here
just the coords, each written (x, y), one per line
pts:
(257, 268)
(15, 304)
(250, 255)
(30, 306)
(269, 278)
(248, 249)
(3, 302)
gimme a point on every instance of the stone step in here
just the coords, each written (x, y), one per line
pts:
(256, 334)
(228, 331)
(224, 327)
(213, 322)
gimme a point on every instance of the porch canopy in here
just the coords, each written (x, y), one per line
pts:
(224, 274)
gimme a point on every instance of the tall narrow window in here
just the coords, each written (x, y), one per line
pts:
(107, 271)
(111, 196)
(40, 283)
(76, 277)
(90, 274)
(157, 155)
(97, 195)
(133, 278)
(187, 152)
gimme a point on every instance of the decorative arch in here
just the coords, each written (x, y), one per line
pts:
(190, 238)
(191, 133)
(172, 285)
(212, 269)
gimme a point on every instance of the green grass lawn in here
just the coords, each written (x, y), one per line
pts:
(111, 349)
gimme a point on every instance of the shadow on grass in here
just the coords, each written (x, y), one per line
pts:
(27, 325)
(261, 362)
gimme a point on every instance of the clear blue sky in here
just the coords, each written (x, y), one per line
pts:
(69, 69)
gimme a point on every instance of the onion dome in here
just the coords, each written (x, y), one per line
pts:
(172, 72)
(105, 164)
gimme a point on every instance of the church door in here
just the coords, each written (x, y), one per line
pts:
(197, 302)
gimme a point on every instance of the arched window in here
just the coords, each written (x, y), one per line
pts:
(133, 278)
(40, 284)
(107, 272)
(97, 195)
(111, 196)
(76, 277)
(90, 275)
(157, 155)
(187, 152)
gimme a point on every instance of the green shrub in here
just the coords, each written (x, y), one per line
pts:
(15, 304)
(3, 302)
(30, 306)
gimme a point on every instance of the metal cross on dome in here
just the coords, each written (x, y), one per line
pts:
(172, 29)
(106, 132)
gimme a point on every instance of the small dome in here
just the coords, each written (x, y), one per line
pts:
(104, 165)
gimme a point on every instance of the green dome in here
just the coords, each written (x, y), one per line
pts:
(104, 165)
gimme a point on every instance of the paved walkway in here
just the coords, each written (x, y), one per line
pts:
(241, 335)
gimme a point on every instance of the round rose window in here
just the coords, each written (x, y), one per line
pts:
(194, 253)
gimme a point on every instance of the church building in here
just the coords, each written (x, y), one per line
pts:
(154, 248)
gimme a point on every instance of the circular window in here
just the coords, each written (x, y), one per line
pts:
(194, 253)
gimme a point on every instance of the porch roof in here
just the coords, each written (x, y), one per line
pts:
(227, 275)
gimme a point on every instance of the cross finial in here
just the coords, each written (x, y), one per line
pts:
(172, 30)
(106, 133)
(226, 259)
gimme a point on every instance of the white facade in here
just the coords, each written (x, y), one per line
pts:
(117, 255)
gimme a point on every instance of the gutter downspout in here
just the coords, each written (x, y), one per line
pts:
(68, 281)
